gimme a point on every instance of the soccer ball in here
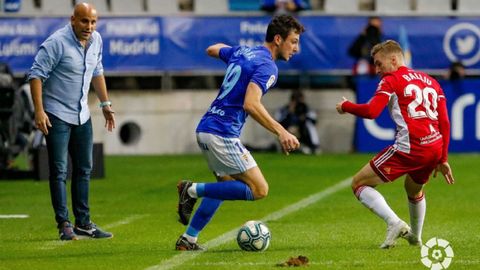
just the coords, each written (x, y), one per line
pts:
(253, 236)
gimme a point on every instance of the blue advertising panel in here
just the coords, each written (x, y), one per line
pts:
(178, 43)
(463, 103)
(132, 44)
(21, 38)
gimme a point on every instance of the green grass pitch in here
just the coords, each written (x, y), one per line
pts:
(137, 202)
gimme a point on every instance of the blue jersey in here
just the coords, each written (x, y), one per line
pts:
(225, 116)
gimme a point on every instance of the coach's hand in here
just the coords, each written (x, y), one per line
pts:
(109, 115)
(42, 122)
(445, 169)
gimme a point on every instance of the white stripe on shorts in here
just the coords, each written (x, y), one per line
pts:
(390, 152)
(233, 153)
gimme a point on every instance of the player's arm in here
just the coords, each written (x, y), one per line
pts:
(444, 128)
(255, 108)
(214, 50)
(370, 110)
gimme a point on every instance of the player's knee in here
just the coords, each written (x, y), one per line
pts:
(415, 195)
(355, 183)
(260, 192)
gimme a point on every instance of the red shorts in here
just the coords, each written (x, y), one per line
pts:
(390, 164)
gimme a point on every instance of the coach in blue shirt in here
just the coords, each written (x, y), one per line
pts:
(65, 65)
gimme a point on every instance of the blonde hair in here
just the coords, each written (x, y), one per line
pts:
(387, 47)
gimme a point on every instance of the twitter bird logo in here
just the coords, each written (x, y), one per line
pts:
(465, 45)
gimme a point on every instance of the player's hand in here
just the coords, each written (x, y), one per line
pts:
(288, 142)
(109, 115)
(445, 169)
(42, 122)
(339, 105)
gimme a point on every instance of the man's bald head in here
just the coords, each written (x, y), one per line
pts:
(82, 8)
(84, 21)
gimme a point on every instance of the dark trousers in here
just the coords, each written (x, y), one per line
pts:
(77, 140)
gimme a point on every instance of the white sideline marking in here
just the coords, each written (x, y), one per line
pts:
(125, 221)
(14, 216)
(58, 243)
(187, 256)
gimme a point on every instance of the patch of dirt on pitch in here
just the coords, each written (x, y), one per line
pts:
(294, 261)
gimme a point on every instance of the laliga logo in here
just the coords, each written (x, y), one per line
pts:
(437, 254)
(462, 43)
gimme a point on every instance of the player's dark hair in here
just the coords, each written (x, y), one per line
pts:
(282, 25)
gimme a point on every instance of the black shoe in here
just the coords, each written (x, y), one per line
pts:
(183, 245)
(91, 230)
(66, 231)
(185, 202)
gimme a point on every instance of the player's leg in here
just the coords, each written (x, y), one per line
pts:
(204, 213)
(425, 161)
(417, 206)
(228, 157)
(245, 187)
(254, 182)
(224, 157)
(363, 185)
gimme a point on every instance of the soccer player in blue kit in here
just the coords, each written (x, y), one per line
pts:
(251, 72)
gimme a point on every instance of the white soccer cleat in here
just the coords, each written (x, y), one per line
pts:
(395, 231)
(412, 239)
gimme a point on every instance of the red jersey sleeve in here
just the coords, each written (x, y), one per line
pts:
(375, 106)
(443, 125)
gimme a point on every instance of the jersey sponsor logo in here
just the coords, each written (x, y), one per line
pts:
(430, 138)
(217, 111)
(270, 81)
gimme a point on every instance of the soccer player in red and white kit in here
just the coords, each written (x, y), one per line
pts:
(417, 105)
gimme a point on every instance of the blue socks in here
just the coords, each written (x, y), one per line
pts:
(213, 195)
(227, 190)
(202, 216)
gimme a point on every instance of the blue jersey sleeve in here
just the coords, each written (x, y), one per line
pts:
(226, 52)
(265, 77)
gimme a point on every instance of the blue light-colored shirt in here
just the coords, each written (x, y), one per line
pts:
(225, 116)
(66, 69)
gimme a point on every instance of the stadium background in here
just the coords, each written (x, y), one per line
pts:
(161, 81)
(157, 110)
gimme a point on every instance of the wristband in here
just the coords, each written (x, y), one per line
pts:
(105, 103)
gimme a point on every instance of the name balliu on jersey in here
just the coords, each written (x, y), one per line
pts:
(225, 117)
